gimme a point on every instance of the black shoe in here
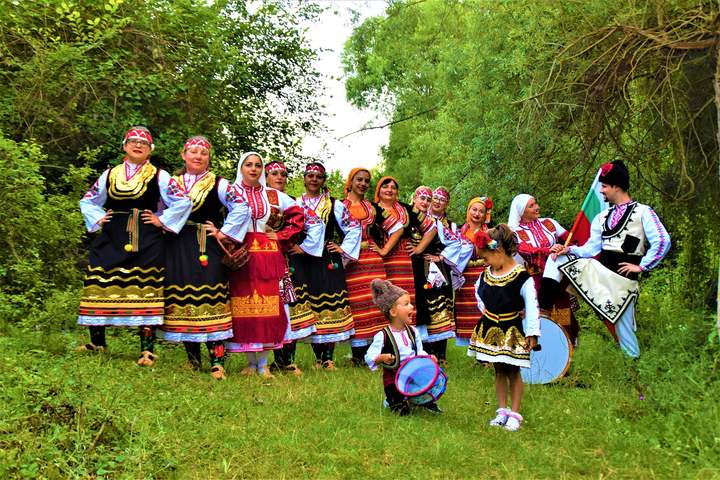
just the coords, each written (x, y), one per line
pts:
(432, 407)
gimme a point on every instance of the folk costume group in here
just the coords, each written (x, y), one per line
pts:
(395, 280)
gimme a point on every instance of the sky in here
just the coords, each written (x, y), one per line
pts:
(362, 149)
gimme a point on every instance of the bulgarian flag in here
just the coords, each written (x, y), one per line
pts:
(593, 204)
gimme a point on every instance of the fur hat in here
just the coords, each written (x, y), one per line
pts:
(615, 173)
(385, 294)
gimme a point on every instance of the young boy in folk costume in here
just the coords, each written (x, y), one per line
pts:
(197, 300)
(630, 239)
(395, 343)
(123, 286)
(502, 337)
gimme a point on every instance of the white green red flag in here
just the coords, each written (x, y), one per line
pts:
(593, 204)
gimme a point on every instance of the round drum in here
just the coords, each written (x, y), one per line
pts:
(421, 379)
(552, 360)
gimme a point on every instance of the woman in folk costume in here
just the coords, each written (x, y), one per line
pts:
(462, 258)
(123, 286)
(537, 236)
(358, 275)
(197, 300)
(433, 288)
(277, 177)
(259, 320)
(332, 240)
(397, 251)
(509, 321)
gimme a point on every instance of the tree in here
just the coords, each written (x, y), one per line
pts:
(78, 73)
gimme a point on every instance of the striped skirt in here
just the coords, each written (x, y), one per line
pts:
(399, 269)
(466, 308)
(369, 320)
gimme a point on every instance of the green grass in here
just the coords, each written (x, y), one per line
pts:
(66, 415)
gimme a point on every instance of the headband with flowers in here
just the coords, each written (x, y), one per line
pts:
(483, 241)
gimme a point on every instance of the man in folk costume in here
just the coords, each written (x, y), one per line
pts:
(627, 238)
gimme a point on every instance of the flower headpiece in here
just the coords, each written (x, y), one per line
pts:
(483, 241)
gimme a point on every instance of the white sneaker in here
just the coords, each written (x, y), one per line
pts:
(514, 420)
(500, 418)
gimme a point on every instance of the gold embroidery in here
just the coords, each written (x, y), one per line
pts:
(202, 296)
(270, 246)
(255, 305)
(199, 190)
(120, 188)
(135, 278)
(127, 270)
(221, 309)
(494, 337)
(217, 286)
(116, 293)
(502, 317)
(503, 280)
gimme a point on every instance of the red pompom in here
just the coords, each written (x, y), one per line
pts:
(489, 204)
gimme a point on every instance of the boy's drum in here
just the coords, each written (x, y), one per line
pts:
(421, 379)
(552, 360)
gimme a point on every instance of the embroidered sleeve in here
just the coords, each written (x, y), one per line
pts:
(457, 252)
(351, 229)
(374, 350)
(594, 244)
(238, 217)
(178, 206)
(91, 205)
(531, 322)
(658, 238)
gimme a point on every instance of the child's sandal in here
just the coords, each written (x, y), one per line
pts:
(248, 371)
(514, 420)
(265, 373)
(147, 359)
(329, 365)
(293, 369)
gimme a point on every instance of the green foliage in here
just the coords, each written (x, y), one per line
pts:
(498, 98)
(78, 73)
(40, 233)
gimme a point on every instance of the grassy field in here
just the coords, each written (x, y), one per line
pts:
(65, 415)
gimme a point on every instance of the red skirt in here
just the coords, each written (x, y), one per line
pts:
(369, 320)
(258, 315)
(398, 267)
(466, 308)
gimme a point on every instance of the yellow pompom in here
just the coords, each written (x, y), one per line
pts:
(203, 258)
(128, 247)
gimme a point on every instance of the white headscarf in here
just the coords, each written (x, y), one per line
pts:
(517, 208)
(239, 177)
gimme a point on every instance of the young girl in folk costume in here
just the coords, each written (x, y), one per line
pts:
(462, 258)
(317, 265)
(398, 250)
(395, 343)
(277, 177)
(433, 288)
(197, 300)
(537, 236)
(501, 336)
(260, 323)
(123, 286)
